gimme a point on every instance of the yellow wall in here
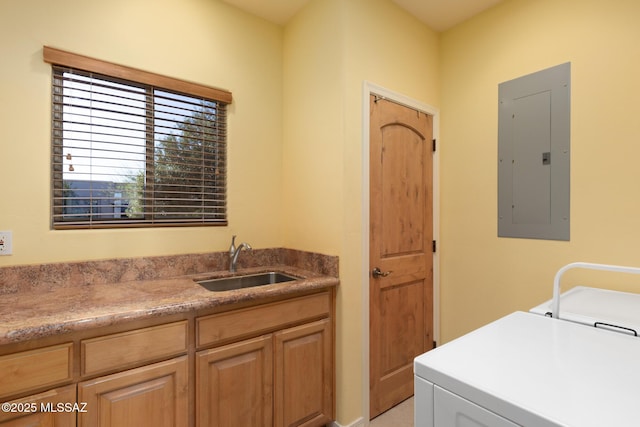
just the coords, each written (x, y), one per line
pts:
(295, 137)
(295, 152)
(200, 40)
(484, 277)
(313, 128)
(295, 172)
(331, 47)
(404, 60)
(313, 165)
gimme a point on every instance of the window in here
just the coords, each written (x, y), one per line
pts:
(133, 149)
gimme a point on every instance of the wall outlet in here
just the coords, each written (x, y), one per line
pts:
(6, 242)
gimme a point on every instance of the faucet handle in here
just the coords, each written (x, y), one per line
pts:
(232, 248)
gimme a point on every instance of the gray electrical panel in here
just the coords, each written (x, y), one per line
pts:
(534, 155)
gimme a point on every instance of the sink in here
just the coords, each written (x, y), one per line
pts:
(248, 281)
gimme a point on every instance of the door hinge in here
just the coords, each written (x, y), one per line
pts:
(434, 144)
(433, 246)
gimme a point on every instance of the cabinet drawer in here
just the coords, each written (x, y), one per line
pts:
(223, 327)
(34, 369)
(134, 347)
(42, 409)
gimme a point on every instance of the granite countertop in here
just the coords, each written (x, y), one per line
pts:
(37, 312)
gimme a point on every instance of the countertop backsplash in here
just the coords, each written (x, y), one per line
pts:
(45, 276)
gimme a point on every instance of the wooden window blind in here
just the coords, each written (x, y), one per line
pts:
(128, 152)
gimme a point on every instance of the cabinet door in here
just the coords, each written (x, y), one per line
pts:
(151, 396)
(304, 375)
(42, 410)
(234, 384)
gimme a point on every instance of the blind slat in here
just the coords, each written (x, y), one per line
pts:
(134, 155)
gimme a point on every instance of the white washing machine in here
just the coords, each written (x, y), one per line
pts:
(527, 369)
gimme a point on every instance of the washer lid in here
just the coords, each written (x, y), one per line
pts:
(535, 370)
(607, 309)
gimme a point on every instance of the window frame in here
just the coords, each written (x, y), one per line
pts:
(60, 58)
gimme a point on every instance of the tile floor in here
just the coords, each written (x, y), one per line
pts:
(398, 416)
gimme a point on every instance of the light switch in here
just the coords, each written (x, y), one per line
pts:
(6, 242)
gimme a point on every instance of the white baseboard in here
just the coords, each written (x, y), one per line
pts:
(360, 422)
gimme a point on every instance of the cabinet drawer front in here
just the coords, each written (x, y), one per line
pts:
(42, 409)
(34, 369)
(223, 327)
(132, 348)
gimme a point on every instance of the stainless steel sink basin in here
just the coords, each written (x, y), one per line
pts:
(248, 281)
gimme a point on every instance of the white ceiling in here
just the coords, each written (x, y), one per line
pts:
(440, 15)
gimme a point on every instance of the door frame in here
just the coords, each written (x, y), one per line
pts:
(369, 89)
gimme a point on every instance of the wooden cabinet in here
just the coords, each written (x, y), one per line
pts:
(137, 393)
(304, 375)
(126, 349)
(266, 364)
(29, 372)
(234, 384)
(283, 378)
(233, 325)
(154, 395)
(41, 410)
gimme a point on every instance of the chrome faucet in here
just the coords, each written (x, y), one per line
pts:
(234, 252)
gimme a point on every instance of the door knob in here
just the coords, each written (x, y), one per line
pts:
(376, 273)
